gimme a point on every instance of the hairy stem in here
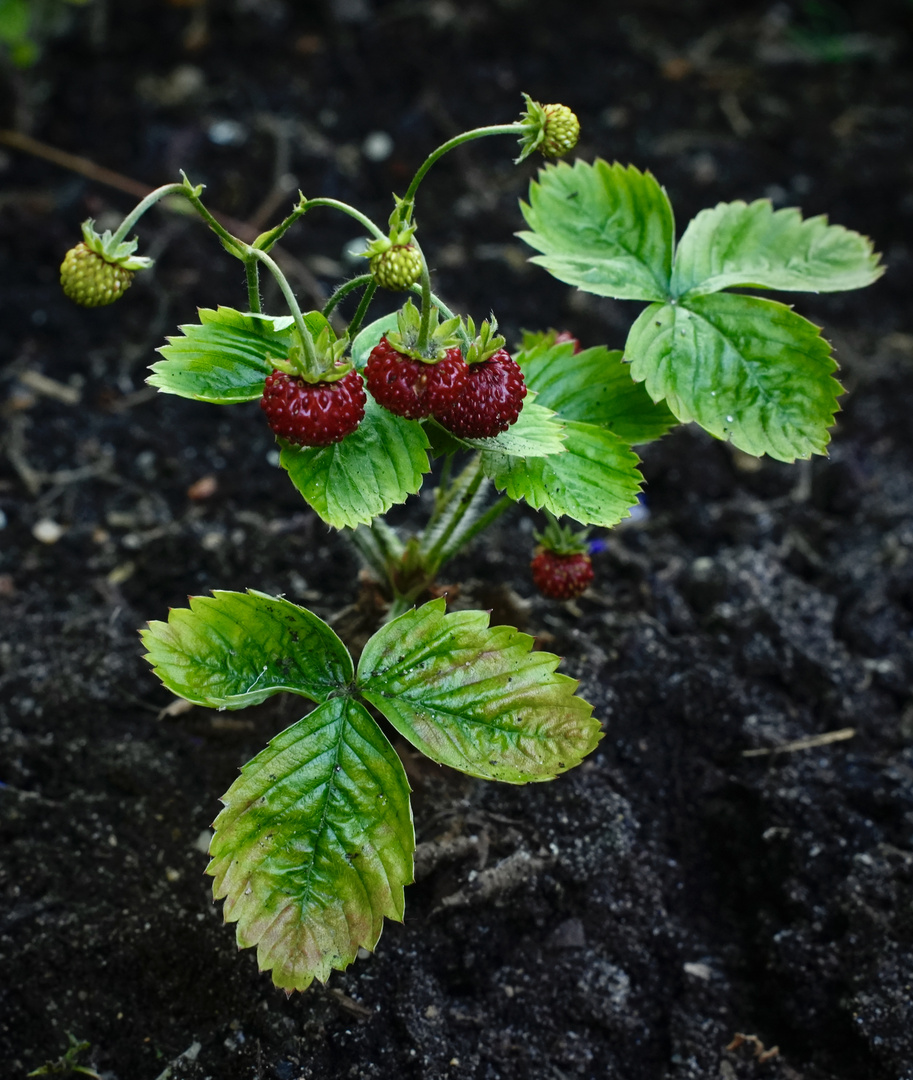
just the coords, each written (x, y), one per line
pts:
(312, 368)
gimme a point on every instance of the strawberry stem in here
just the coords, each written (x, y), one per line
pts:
(346, 209)
(312, 369)
(252, 270)
(452, 144)
(424, 330)
(343, 291)
(364, 304)
(141, 207)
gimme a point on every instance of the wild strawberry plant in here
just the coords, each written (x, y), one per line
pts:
(315, 842)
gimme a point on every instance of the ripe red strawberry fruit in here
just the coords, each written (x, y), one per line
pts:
(490, 400)
(561, 577)
(411, 388)
(565, 337)
(313, 414)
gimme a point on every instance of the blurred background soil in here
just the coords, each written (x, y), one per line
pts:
(716, 867)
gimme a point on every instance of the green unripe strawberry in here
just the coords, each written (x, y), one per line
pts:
(553, 130)
(90, 280)
(99, 270)
(562, 130)
(397, 268)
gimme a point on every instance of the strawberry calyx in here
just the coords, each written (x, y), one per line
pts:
(114, 251)
(484, 344)
(553, 130)
(561, 539)
(332, 364)
(442, 337)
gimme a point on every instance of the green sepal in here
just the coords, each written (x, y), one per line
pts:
(121, 254)
(754, 246)
(350, 482)
(476, 697)
(592, 386)
(315, 845)
(233, 650)
(607, 229)
(551, 129)
(595, 482)
(442, 335)
(746, 369)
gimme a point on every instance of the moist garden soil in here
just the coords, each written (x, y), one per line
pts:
(700, 875)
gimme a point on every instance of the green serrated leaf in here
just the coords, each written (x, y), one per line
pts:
(234, 649)
(536, 433)
(594, 387)
(746, 369)
(751, 244)
(224, 359)
(606, 228)
(595, 482)
(355, 480)
(475, 697)
(370, 336)
(315, 845)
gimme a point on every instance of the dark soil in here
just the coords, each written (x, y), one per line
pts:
(627, 920)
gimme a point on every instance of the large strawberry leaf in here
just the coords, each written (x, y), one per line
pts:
(746, 369)
(595, 482)
(235, 649)
(594, 387)
(606, 228)
(353, 481)
(475, 697)
(315, 844)
(225, 357)
(751, 244)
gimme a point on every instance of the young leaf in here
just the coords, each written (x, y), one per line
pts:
(235, 649)
(315, 844)
(605, 228)
(355, 480)
(476, 698)
(223, 359)
(536, 433)
(746, 369)
(751, 244)
(594, 387)
(595, 482)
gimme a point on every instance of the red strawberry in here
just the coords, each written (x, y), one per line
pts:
(313, 414)
(566, 336)
(410, 387)
(490, 400)
(561, 577)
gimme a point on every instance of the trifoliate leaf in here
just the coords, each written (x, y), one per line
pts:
(606, 228)
(746, 369)
(475, 697)
(353, 481)
(751, 244)
(225, 358)
(595, 482)
(594, 387)
(235, 649)
(315, 845)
